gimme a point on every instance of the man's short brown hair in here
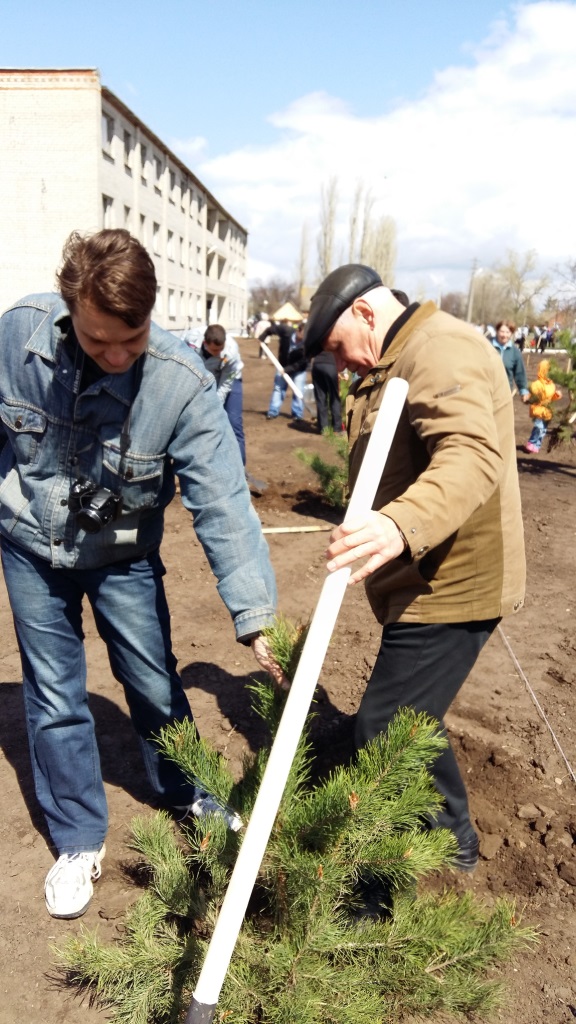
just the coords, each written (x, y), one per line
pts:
(215, 333)
(111, 270)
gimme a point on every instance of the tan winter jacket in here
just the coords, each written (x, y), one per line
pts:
(451, 482)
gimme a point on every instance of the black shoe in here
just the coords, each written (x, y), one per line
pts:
(467, 857)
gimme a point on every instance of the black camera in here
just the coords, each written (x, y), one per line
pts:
(94, 507)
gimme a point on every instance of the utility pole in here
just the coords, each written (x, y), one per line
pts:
(471, 290)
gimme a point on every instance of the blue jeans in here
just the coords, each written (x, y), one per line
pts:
(539, 428)
(233, 407)
(279, 394)
(132, 618)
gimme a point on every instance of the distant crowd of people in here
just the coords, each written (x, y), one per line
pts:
(538, 337)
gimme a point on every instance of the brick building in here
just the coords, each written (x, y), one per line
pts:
(75, 157)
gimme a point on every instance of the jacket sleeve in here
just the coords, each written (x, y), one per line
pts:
(226, 377)
(520, 378)
(296, 361)
(213, 488)
(451, 409)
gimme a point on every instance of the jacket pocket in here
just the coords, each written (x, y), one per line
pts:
(137, 478)
(25, 427)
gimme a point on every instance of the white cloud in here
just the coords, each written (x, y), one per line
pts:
(482, 162)
(190, 150)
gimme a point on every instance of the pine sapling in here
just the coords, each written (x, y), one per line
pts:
(308, 951)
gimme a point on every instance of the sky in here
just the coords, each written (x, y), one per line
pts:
(458, 118)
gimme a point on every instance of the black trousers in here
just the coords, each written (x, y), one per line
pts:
(423, 666)
(326, 392)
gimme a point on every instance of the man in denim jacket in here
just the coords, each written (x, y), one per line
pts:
(100, 411)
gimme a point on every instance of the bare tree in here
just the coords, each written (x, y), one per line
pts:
(303, 261)
(561, 303)
(272, 294)
(355, 222)
(520, 284)
(328, 205)
(366, 230)
(454, 303)
(379, 247)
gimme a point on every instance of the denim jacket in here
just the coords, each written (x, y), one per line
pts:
(174, 426)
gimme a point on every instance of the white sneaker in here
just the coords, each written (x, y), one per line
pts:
(205, 804)
(68, 886)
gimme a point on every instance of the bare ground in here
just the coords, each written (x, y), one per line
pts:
(522, 791)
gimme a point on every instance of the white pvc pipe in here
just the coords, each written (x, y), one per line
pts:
(281, 370)
(292, 723)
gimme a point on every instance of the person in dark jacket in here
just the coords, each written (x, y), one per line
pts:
(512, 358)
(292, 359)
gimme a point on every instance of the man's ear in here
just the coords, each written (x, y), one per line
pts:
(364, 311)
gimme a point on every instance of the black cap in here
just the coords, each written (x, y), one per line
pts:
(336, 293)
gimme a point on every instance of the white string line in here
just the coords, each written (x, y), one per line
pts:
(541, 711)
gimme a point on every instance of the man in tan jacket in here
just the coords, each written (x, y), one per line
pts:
(444, 545)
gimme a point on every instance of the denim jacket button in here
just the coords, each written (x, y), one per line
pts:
(57, 542)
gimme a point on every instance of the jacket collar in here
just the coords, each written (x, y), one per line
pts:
(418, 317)
(48, 341)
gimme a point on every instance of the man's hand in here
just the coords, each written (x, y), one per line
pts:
(374, 536)
(266, 660)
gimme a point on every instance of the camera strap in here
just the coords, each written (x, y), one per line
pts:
(81, 363)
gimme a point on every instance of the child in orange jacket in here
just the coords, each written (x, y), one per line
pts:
(543, 391)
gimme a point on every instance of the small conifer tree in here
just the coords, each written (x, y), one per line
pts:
(333, 477)
(307, 953)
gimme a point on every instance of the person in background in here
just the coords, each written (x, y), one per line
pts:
(292, 358)
(220, 354)
(449, 493)
(327, 392)
(512, 358)
(543, 392)
(101, 412)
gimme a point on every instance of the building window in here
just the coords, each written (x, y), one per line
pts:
(158, 306)
(172, 194)
(182, 305)
(171, 304)
(190, 255)
(170, 245)
(158, 174)
(107, 212)
(198, 259)
(184, 196)
(107, 134)
(128, 152)
(182, 251)
(143, 164)
(143, 231)
(128, 218)
(156, 238)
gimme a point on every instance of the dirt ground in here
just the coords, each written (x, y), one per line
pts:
(519, 765)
